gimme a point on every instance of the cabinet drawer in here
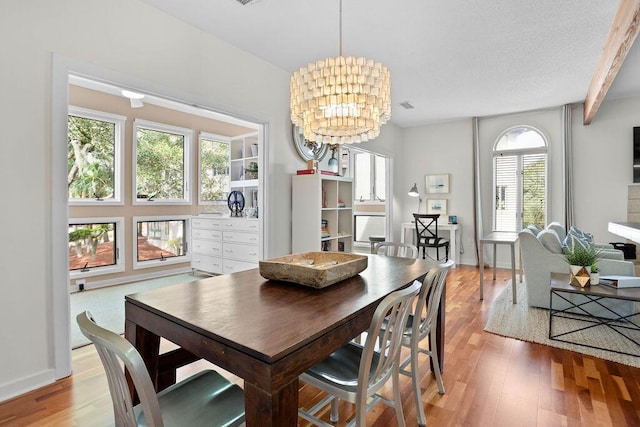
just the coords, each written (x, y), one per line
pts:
(233, 266)
(201, 233)
(239, 251)
(208, 223)
(206, 247)
(240, 225)
(240, 237)
(206, 263)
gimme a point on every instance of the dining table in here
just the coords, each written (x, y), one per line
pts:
(266, 332)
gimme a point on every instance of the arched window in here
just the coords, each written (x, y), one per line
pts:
(520, 179)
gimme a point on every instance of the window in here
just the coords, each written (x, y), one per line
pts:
(161, 154)
(214, 169)
(520, 179)
(94, 246)
(159, 241)
(369, 177)
(94, 153)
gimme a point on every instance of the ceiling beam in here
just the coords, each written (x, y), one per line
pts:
(621, 36)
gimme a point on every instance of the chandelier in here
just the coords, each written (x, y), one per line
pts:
(341, 100)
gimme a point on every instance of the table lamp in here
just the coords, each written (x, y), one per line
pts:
(413, 192)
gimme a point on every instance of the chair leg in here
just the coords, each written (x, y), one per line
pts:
(397, 400)
(415, 380)
(434, 359)
(446, 248)
(334, 410)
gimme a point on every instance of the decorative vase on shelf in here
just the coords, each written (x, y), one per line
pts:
(580, 275)
(595, 279)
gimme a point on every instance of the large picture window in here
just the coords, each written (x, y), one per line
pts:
(160, 241)
(520, 179)
(162, 154)
(94, 153)
(94, 246)
(214, 182)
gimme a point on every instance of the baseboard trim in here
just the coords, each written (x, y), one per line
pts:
(26, 384)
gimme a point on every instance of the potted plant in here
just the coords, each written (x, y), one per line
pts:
(252, 170)
(580, 260)
(595, 274)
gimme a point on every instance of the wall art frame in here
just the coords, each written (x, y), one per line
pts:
(437, 183)
(437, 206)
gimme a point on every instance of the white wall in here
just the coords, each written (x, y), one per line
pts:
(438, 149)
(132, 39)
(603, 165)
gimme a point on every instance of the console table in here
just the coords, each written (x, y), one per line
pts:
(499, 237)
(451, 228)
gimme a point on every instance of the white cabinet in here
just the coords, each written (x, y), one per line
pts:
(224, 245)
(322, 199)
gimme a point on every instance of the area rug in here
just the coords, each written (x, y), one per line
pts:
(107, 304)
(531, 324)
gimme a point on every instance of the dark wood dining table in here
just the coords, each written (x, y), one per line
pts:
(266, 332)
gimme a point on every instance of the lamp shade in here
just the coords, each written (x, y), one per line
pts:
(341, 100)
(413, 192)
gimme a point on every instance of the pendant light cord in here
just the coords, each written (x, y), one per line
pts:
(340, 27)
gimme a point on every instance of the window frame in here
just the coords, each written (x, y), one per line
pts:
(520, 156)
(216, 138)
(119, 266)
(372, 176)
(187, 161)
(118, 161)
(137, 265)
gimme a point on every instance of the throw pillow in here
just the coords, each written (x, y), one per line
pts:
(576, 237)
(534, 228)
(550, 240)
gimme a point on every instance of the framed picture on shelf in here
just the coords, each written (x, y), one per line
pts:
(437, 206)
(437, 183)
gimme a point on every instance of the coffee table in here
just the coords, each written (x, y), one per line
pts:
(576, 318)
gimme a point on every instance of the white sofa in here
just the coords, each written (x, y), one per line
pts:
(538, 262)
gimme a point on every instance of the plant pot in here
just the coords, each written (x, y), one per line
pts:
(594, 278)
(579, 275)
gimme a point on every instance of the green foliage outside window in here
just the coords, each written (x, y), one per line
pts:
(214, 170)
(534, 194)
(90, 158)
(160, 165)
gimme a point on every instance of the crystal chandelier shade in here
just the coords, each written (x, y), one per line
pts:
(341, 100)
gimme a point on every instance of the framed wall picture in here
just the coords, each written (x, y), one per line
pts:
(437, 183)
(437, 206)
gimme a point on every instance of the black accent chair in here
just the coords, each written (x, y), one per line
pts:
(427, 235)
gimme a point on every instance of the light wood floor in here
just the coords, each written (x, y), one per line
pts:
(489, 380)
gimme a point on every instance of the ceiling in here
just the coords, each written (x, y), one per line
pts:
(450, 59)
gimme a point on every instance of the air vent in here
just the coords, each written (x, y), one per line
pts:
(407, 105)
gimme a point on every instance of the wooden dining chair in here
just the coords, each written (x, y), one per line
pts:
(421, 324)
(356, 373)
(401, 250)
(427, 235)
(204, 399)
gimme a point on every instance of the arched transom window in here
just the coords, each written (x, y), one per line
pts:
(520, 179)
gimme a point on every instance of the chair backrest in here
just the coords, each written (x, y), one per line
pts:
(401, 250)
(426, 227)
(429, 298)
(112, 348)
(394, 310)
